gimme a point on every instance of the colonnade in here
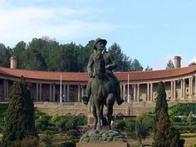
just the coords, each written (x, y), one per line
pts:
(176, 89)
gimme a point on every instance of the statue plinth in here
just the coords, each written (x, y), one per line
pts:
(102, 144)
(102, 138)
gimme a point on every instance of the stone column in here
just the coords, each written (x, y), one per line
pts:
(195, 87)
(121, 91)
(174, 89)
(124, 93)
(64, 92)
(171, 89)
(184, 89)
(5, 89)
(151, 92)
(138, 92)
(68, 93)
(40, 92)
(37, 92)
(134, 93)
(50, 92)
(190, 86)
(79, 94)
(147, 92)
(54, 91)
(181, 87)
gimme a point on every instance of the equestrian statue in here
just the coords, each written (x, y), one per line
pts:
(103, 87)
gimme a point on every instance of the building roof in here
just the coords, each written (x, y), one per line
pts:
(83, 76)
(156, 74)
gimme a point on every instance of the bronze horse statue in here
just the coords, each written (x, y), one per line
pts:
(102, 93)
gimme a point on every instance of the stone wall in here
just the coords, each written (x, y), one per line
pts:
(126, 109)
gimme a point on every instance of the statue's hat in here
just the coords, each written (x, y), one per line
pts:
(104, 41)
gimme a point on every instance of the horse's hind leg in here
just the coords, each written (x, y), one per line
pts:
(110, 102)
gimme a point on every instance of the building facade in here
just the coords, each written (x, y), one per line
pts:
(63, 90)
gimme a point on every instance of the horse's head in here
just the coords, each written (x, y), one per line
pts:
(99, 65)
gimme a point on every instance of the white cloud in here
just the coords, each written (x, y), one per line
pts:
(25, 23)
(192, 60)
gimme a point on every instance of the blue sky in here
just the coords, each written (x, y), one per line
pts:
(152, 31)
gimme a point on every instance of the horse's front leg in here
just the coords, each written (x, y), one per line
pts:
(99, 117)
(110, 102)
(95, 117)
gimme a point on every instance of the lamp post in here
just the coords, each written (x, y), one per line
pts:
(128, 98)
(60, 88)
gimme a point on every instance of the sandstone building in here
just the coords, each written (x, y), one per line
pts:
(61, 92)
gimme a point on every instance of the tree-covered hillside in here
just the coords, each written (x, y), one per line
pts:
(48, 55)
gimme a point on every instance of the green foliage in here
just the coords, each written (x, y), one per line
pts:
(67, 144)
(119, 125)
(19, 119)
(26, 142)
(61, 123)
(147, 120)
(193, 145)
(136, 66)
(141, 129)
(72, 133)
(48, 138)
(143, 125)
(170, 65)
(161, 102)
(55, 117)
(71, 124)
(48, 55)
(122, 61)
(19, 52)
(3, 108)
(186, 128)
(171, 115)
(189, 118)
(188, 135)
(164, 135)
(81, 120)
(42, 122)
(130, 124)
(183, 109)
(4, 55)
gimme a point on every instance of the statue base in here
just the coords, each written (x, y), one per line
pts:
(103, 138)
(102, 144)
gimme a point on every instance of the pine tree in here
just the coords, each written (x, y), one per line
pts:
(170, 65)
(164, 135)
(19, 119)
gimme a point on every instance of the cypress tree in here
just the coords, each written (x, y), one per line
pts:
(19, 119)
(164, 134)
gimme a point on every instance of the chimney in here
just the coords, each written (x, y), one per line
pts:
(13, 62)
(177, 62)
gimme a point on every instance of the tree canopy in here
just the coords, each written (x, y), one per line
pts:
(19, 118)
(46, 54)
(170, 64)
(164, 134)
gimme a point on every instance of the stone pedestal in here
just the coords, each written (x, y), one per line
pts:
(102, 138)
(102, 144)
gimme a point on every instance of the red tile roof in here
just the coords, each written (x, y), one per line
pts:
(83, 76)
(156, 74)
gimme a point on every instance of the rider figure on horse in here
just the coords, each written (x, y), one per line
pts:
(99, 47)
